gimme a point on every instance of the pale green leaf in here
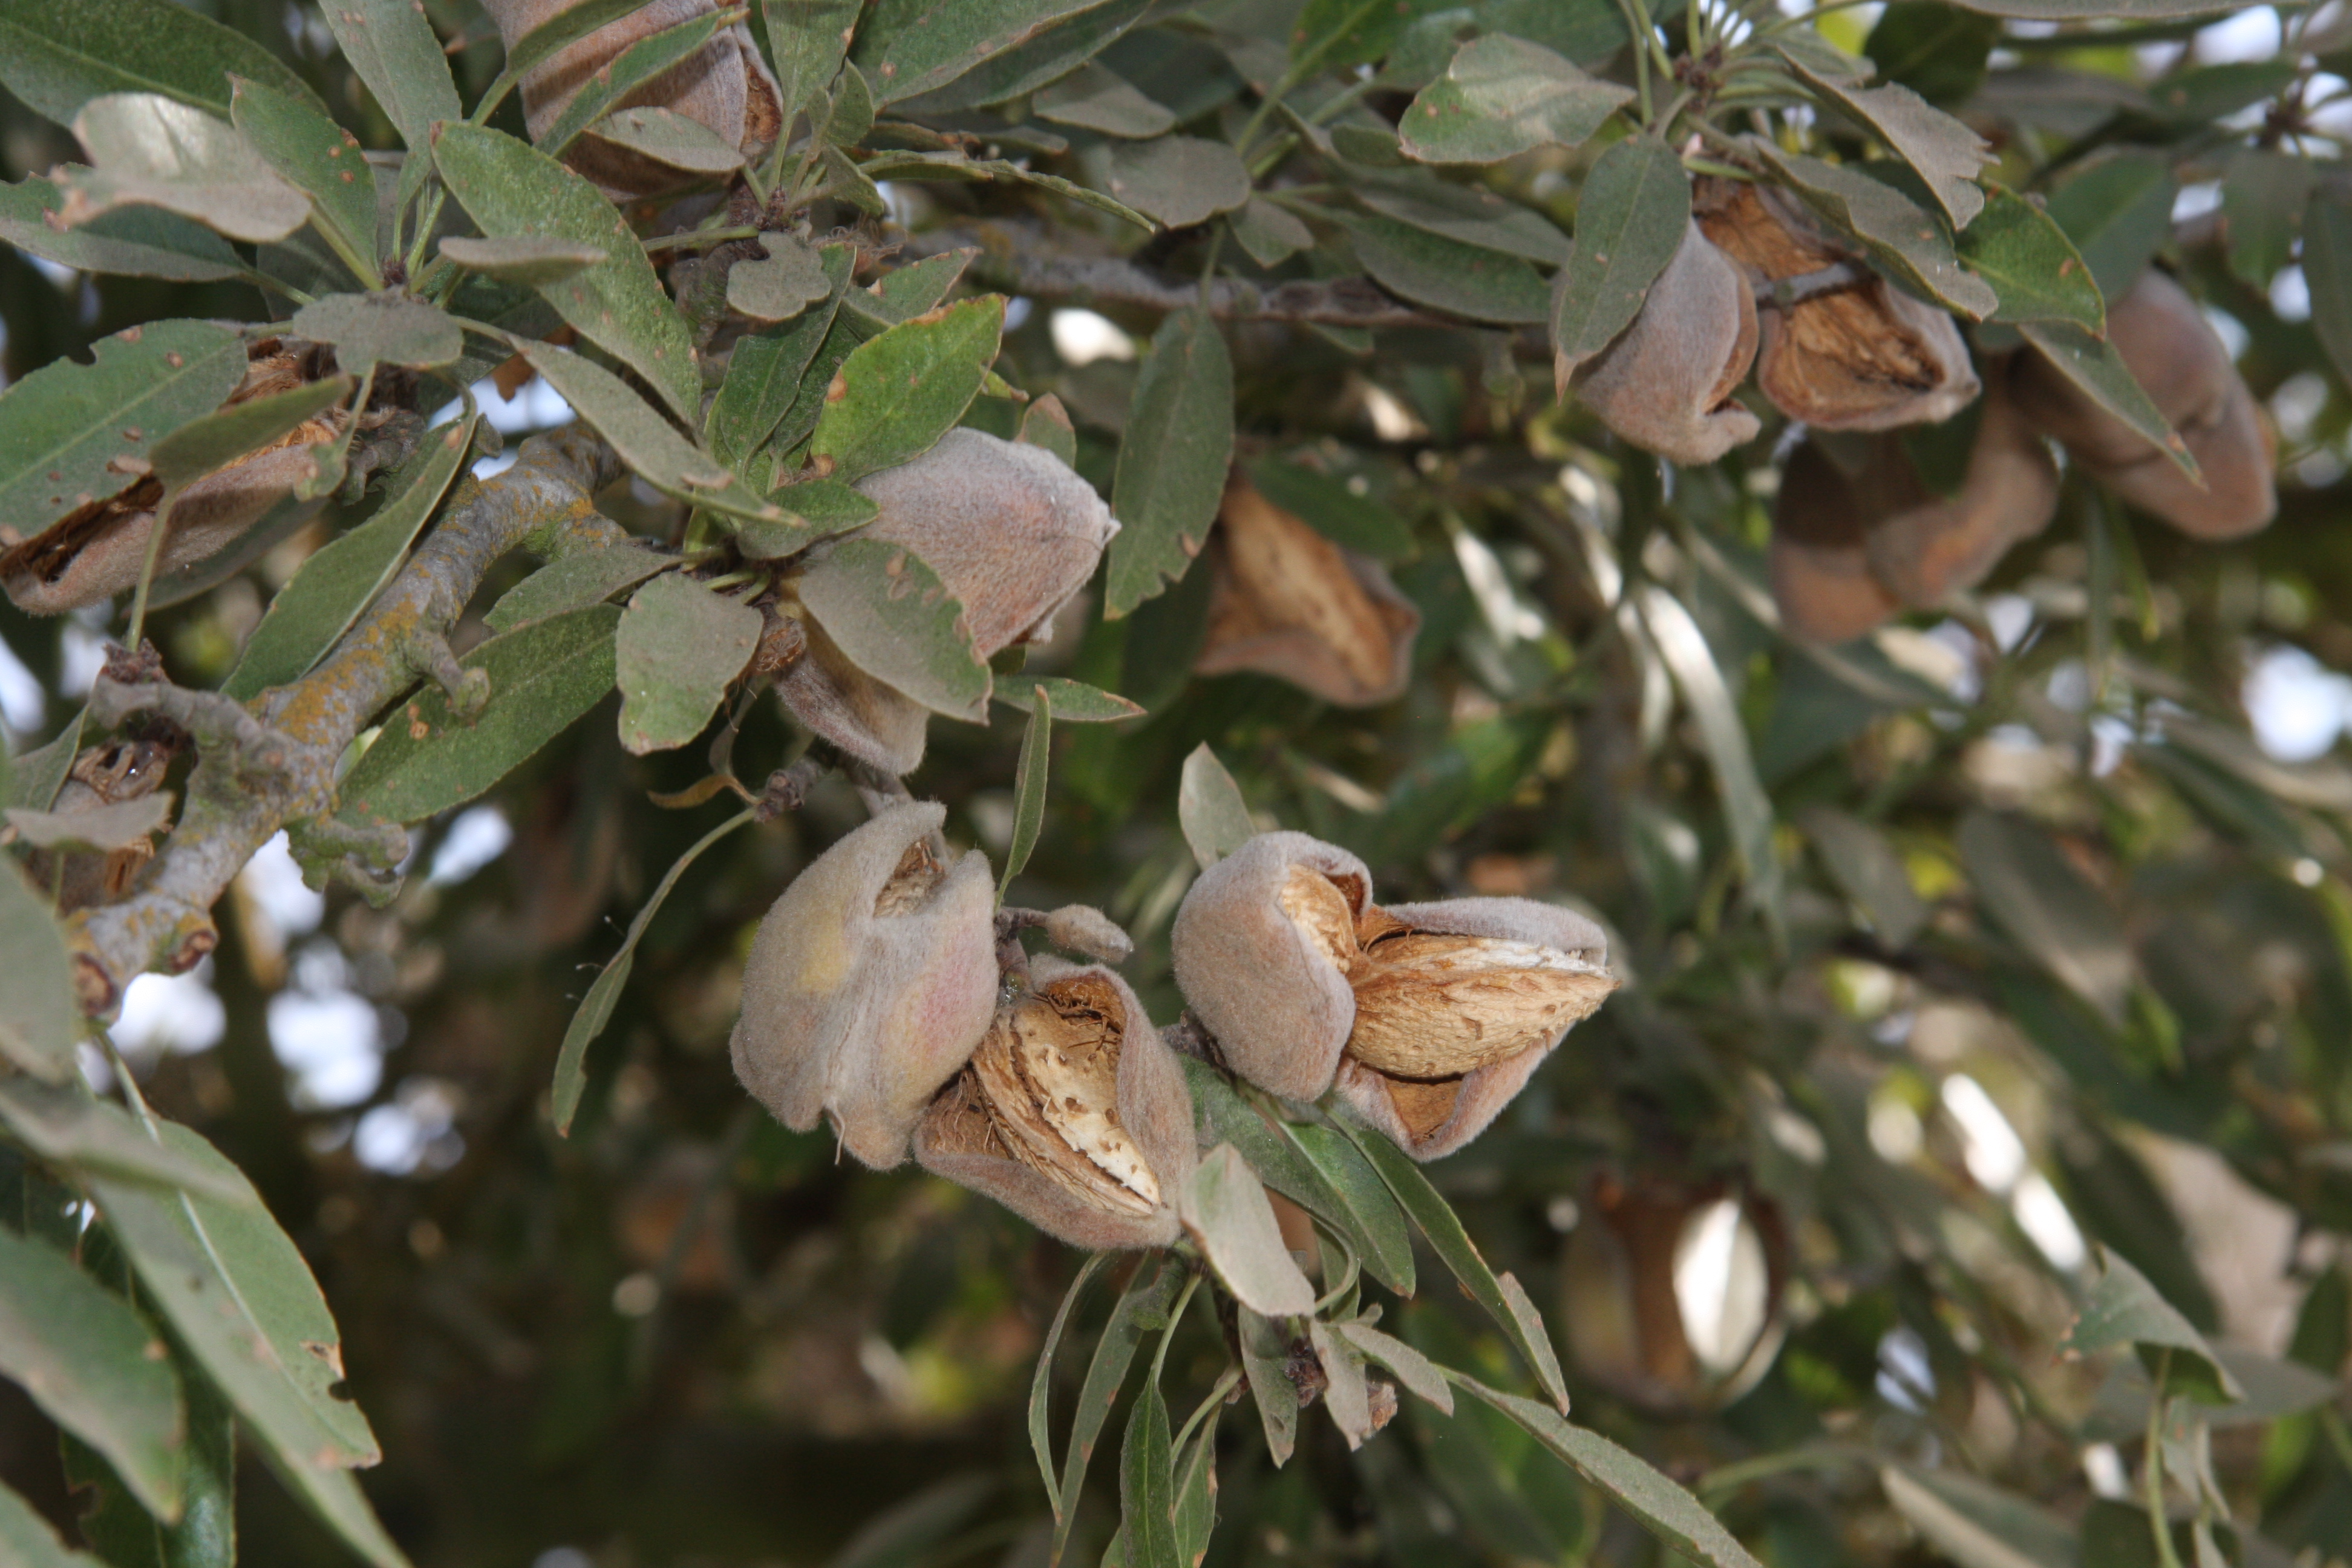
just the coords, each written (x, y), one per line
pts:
(39, 1019)
(1178, 179)
(574, 582)
(892, 616)
(648, 443)
(528, 260)
(1172, 459)
(1502, 96)
(670, 139)
(896, 396)
(139, 242)
(679, 647)
(1210, 808)
(393, 47)
(58, 55)
(1631, 219)
(1029, 787)
(321, 159)
(146, 150)
(381, 329)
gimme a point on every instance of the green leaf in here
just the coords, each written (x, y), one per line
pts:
(1041, 1381)
(1502, 96)
(139, 242)
(512, 190)
(27, 1542)
(1444, 274)
(2123, 1308)
(381, 329)
(1074, 701)
(2085, 10)
(1375, 1224)
(219, 438)
(1903, 237)
(340, 579)
(1196, 1495)
(765, 372)
(789, 279)
(850, 117)
(1270, 235)
(1437, 1221)
(71, 1127)
(1419, 1374)
(1665, 1508)
(2031, 265)
(1266, 1363)
(2262, 201)
(94, 1366)
(1867, 869)
(1172, 459)
(58, 55)
(542, 677)
(527, 259)
(1942, 150)
(1177, 181)
(893, 618)
(1096, 98)
(1333, 35)
(2327, 271)
(574, 22)
(39, 1019)
(595, 1009)
(1146, 1485)
(1048, 54)
(603, 91)
(1225, 1210)
(240, 1298)
(647, 443)
(905, 292)
(1419, 199)
(2100, 373)
(927, 44)
(1210, 808)
(1029, 787)
(112, 1519)
(34, 778)
(1631, 219)
(1977, 1525)
(894, 396)
(574, 582)
(321, 160)
(2118, 211)
(813, 510)
(393, 47)
(146, 150)
(807, 40)
(1142, 1306)
(679, 647)
(670, 139)
(1936, 49)
(93, 425)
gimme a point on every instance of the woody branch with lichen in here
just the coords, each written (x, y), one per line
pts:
(273, 762)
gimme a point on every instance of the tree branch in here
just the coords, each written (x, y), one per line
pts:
(275, 762)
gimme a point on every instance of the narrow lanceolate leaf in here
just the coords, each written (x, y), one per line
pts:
(897, 621)
(648, 443)
(936, 41)
(1975, 1525)
(575, 582)
(1225, 1210)
(1347, 1392)
(542, 677)
(27, 1542)
(1041, 1381)
(94, 1366)
(528, 259)
(381, 329)
(72, 434)
(58, 55)
(220, 437)
(573, 22)
(1196, 1495)
(68, 1126)
(1415, 1371)
(806, 42)
(146, 150)
(1210, 808)
(1096, 98)
(1684, 648)
(679, 647)
(393, 48)
(2027, 884)
(595, 1009)
(1630, 221)
(136, 242)
(242, 1300)
(1046, 54)
(813, 510)
(669, 138)
(2123, 1309)
(2018, 249)
(1663, 1508)
(1147, 1484)
(1075, 702)
(1143, 1306)
(1905, 238)
(2327, 270)
(1945, 153)
(1377, 1224)
(1029, 787)
(638, 64)
(2118, 211)
(1467, 280)
(113, 1522)
(340, 579)
(2100, 373)
(1172, 459)
(897, 395)
(1266, 1363)
(39, 1020)
(1502, 96)
(2086, 10)
(765, 372)
(319, 158)
(515, 191)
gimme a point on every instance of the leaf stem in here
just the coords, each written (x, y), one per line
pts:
(1301, 69)
(701, 237)
(2152, 1463)
(1636, 25)
(1217, 1396)
(1176, 1316)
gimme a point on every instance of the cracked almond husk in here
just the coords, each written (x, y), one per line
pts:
(1457, 1003)
(2170, 347)
(870, 983)
(1863, 357)
(97, 550)
(1666, 385)
(1288, 603)
(1636, 1330)
(725, 86)
(1073, 1113)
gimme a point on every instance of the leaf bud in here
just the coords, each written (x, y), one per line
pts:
(1288, 603)
(1666, 384)
(870, 983)
(2173, 352)
(1072, 1114)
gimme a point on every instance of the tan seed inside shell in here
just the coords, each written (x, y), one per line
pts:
(1315, 904)
(1429, 1005)
(1047, 1075)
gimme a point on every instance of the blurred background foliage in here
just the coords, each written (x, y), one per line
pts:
(2034, 935)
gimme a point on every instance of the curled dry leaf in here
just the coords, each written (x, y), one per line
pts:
(1857, 536)
(724, 86)
(1288, 603)
(2173, 352)
(1072, 1114)
(1862, 357)
(1666, 385)
(870, 983)
(95, 552)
